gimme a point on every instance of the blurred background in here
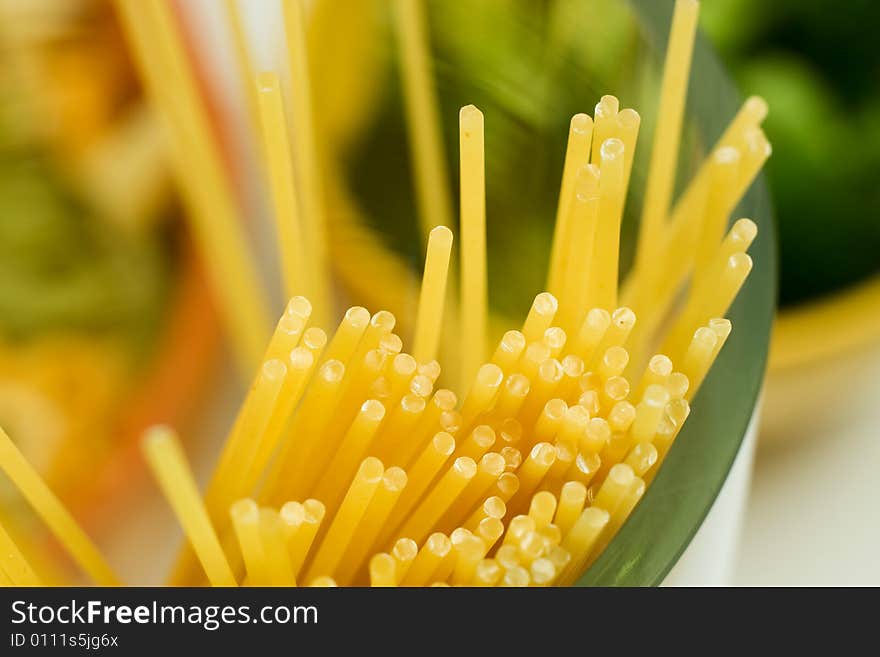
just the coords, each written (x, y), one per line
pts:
(108, 323)
(105, 323)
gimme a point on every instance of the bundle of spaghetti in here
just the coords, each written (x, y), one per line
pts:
(523, 484)
(350, 464)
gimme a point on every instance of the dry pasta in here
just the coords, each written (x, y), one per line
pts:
(348, 465)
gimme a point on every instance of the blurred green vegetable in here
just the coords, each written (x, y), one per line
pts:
(61, 269)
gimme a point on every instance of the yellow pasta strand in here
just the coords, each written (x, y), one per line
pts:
(275, 548)
(509, 350)
(351, 452)
(300, 366)
(432, 553)
(238, 451)
(577, 155)
(296, 265)
(628, 124)
(377, 513)
(474, 294)
(300, 541)
(724, 169)
(166, 459)
(438, 500)
(713, 294)
(345, 522)
(429, 319)
(294, 472)
(606, 124)
(383, 570)
(670, 113)
(648, 413)
(571, 502)
(584, 209)
(306, 155)
(348, 336)
(14, 567)
(422, 120)
(603, 270)
(245, 516)
(722, 328)
(482, 393)
(404, 552)
(581, 539)
(53, 513)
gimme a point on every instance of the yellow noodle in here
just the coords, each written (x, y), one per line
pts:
(305, 153)
(13, 564)
(166, 458)
(670, 112)
(576, 156)
(56, 517)
(344, 523)
(423, 122)
(474, 295)
(429, 319)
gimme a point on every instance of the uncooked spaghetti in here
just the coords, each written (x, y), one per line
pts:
(349, 464)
